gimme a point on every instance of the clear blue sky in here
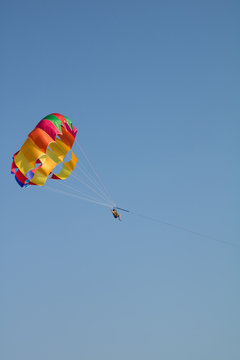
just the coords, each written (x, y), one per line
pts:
(153, 88)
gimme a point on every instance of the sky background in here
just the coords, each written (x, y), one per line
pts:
(153, 88)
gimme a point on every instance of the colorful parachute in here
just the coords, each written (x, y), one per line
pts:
(45, 148)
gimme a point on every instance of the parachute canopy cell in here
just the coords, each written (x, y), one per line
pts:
(45, 148)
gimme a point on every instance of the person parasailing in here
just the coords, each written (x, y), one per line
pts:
(116, 215)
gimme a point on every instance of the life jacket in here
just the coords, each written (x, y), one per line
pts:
(115, 214)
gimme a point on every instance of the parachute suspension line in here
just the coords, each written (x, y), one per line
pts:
(98, 178)
(83, 171)
(76, 196)
(61, 183)
(94, 170)
(90, 187)
(77, 177)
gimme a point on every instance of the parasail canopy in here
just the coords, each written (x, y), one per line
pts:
(45, 148)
